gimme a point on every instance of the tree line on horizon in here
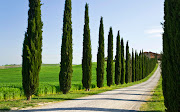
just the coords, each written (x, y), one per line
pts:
(130, 69)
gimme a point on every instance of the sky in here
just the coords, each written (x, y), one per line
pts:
(138, 22)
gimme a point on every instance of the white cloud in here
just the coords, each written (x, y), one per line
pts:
(155, 35)
(155, 32)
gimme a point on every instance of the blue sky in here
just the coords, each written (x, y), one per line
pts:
(138, 21)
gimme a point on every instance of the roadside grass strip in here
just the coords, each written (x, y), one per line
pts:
(156, 102)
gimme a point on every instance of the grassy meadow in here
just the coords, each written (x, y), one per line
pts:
(11, 81)
(49, 76)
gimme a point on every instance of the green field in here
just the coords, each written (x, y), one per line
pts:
(49, 74)
(14, 97)
(11, 81)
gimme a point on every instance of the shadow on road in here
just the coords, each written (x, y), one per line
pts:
(125, 94)
(98, 99)
(55, 98)
(133, 90)
(82, 109)
(112, 99)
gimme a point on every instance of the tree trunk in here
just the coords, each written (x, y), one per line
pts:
(64, 92)
(29, 98)
(87, 89)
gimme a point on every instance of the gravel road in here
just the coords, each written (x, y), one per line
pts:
(127, 99)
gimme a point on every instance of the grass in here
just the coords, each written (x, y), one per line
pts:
(48, 74)
(156, 102)
(53, 71)
(11, 79)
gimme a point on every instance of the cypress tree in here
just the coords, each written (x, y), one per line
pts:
(130, 68)
(166, 56)
(118, 61)
(135, 60)
(122, 62)
(110, 59)
(133, 66)
(32, 49)
(144, 66)
(66, 71)
(87, 56)
(140, 66)
(136, 66)
(148, 66)
(171, 56)
(127, 63)
(100, 56)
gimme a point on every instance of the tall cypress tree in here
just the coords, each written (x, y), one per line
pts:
(133, 66)
(127, 64)
(66, 71)
(110, 59)
(118, 61)
(130, 68)
(100, 56)
(148, 66)
(171, 56)
(122, 62)
(145, 66)
(87, 56)
(140, 66)
(136, 66)
(32, 49)
(166, 50)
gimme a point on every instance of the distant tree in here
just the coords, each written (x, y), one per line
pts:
(118, 61)
(130, 68)
(110, 59)
(136, 66)
(32, 49)
(145, 66)
(133, 66)
(127, 73)
(87, 56)
(100, 56)
(122, 62)
(140, 65)
(66, 71)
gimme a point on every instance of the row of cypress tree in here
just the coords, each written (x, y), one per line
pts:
(171, 56)
(126, 70)
(129, 69)
(142, 66)
(32, 49)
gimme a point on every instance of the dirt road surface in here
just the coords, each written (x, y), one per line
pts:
(127, 99)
